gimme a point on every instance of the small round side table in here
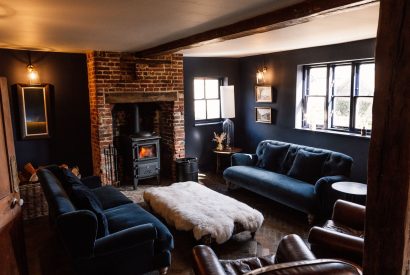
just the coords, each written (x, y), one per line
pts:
(225, 152)
(351, 191)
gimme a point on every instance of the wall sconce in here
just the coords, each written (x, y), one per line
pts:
(32, 72)
(260, 75)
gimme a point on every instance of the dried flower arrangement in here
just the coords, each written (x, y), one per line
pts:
(219, 140)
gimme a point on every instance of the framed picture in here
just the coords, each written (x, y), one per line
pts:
(263, 114)
(263, 94)
(34, 106)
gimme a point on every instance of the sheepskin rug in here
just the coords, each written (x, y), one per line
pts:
(191, 206)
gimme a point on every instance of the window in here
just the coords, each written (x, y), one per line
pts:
(206, 98)
(338, 96)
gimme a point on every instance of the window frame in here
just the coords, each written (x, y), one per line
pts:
(208, 120)
(330, 95)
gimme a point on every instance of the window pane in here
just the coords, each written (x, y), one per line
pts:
(364, 108)
(317, 81)
(341, 111)
(343, 77)
(366, 79)
(315, 111)
(211, 88)
(200, 111)
(199, 88)
(213, 107)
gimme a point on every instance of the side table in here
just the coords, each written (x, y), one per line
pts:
(224, 152)
(351, 191)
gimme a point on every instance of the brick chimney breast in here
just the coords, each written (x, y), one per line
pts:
(115, 77)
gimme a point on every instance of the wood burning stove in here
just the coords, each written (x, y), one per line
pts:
(142, 159)
(141, 152)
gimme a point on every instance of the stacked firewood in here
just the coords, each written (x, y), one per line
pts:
(29, 173)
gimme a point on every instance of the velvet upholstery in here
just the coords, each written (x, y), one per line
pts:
(307, 166)
(126, 215)
(309, 197)
(138, 242)
(273, 157)
(85, 199)
(110, 197)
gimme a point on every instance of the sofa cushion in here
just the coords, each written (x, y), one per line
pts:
(69, 180)
(273, 157)
(110, 197)
(281, 188)
(84, 198)
(130, 214)
(308, 166)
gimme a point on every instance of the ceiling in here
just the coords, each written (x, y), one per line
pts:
(354, 25)
(133, 25)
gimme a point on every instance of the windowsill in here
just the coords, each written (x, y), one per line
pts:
(197, 124)
(335, 133)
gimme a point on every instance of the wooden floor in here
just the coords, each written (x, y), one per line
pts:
(46, 256)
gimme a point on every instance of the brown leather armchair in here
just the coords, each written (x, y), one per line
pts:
(341, 237)
(292, 257)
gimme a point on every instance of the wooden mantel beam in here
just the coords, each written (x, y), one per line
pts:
(289, 16)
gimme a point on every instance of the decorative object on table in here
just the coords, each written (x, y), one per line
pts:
(210, 214)
(34, 106)
(263, 114)
(219, 139)
(260, 75)
(263, 94)
(227, 112)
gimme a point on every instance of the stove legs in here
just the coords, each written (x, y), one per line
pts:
(135, 184)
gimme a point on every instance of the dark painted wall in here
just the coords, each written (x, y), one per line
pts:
(199, 138)
(282, 74)
(70, 141)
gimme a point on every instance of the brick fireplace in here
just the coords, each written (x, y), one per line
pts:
(121, 78)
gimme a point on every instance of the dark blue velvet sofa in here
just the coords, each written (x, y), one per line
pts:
(119, 237)
(302, 181)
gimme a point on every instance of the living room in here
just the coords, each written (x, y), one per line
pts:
(161, 89)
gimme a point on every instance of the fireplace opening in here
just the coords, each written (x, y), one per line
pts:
(147, 151)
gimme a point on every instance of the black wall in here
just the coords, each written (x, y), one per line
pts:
(199, 138)
(282, 74)
(70, 141)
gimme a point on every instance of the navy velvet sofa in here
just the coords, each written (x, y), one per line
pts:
(115, 236)
(294, 175)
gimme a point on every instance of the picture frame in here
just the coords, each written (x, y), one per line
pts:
(263, 94)
(34, 110)
(263, 115)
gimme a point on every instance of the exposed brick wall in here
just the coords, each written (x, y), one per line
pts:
(112, 72)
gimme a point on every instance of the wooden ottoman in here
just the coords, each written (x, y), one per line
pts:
(211, 216)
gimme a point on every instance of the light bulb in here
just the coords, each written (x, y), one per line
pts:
(32, 74)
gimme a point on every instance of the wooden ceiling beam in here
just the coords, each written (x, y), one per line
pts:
(289, 16)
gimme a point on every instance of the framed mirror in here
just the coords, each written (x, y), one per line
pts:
(34, 105)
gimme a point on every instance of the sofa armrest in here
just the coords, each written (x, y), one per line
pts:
(325, 183)
(349, 214)
(92, 181)
(326, 243)
(292, 248)
(244, 159)
(326, 195)
(124, 239)
(206, 262)
(78, 231)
